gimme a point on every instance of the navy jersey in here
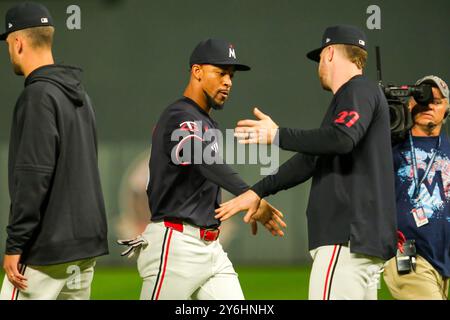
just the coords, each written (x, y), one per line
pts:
(352, 195)
(177, 188)
(433, 238)
(349, 158)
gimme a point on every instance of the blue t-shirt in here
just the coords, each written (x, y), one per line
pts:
(432, 239)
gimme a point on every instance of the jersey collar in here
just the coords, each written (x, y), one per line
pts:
(194, 104)
(345, 84)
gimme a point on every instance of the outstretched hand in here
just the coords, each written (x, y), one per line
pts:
(257, 211)
(269, 217)
(261, 131)
(247, 201)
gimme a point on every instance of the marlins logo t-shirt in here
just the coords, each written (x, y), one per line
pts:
(433, 238)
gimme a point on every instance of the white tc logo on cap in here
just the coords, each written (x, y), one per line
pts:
(9, 25)
(362, 42)
(231, 53)
(44, 20)
(327, 40)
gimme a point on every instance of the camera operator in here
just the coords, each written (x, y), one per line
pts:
(422, 168)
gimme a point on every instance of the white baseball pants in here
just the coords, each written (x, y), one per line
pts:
(68, 281)
(181, 266)
(338, 274)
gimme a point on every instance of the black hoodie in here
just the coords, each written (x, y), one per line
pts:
(57, 212)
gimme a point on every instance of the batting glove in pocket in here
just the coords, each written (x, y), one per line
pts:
(133, 245)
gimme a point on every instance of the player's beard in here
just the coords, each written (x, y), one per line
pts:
(323, 82)
(16, 67)
(321, 71)
(324, 85)
(211, 103)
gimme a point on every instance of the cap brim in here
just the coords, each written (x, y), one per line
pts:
(241, 67)
(315, 54)
(237, 66)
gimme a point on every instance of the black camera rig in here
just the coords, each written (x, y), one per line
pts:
(398, 99)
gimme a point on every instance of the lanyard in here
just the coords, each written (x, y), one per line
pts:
(414, 165)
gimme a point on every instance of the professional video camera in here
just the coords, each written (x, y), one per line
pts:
(398, 98)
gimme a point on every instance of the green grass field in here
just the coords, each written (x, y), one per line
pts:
(258, 283)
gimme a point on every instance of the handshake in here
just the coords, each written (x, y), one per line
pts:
(262, 130)
(257, 211)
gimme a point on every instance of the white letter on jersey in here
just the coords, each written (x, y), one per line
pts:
(74, 20)
(373, 21)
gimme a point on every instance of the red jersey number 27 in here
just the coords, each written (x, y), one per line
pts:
(348, 118)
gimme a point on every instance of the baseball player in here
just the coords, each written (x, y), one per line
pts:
(180, 256)
(57, 223)
(351, 211)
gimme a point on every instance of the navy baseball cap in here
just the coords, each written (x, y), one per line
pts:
(216, 52)
(26, 15)
(340, 34)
